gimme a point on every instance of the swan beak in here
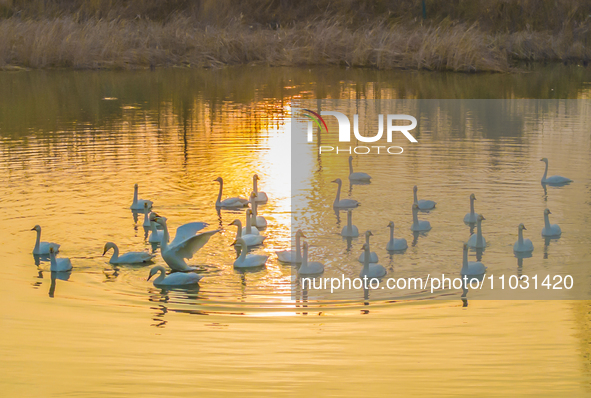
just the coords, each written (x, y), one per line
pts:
(233, 243)
(549, 212)
(524, 227)
(303, 236)
(104, 252)
(33, 229)
(151, 275)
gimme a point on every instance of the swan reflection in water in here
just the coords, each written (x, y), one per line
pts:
(62, 276)
(165, 298)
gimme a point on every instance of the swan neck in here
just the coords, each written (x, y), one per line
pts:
(471, 206)
(520, 236)
(243, 250)
(479, 229)
(38, 240)
(254, 211)
(305, 257)
(546, 221)
(415, 199)
(298, 248)
(115, 255)
(366, 259)
(367, 238)
(350, 166)
(161, 277)
(415, 217)
(350, 220)
(465, 260)
(53, 262)
(392, 233)
(153, 227)
(254, 185)
(545, 172)
(220, 192)
(165, 238)
(338, 198)
(248, 225)
(135, 191)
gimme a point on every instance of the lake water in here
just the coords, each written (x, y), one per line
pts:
(72, 144)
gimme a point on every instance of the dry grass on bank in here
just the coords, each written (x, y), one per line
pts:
(94, 43)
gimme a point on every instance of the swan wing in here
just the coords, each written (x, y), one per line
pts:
(186, 231)
(191, 245)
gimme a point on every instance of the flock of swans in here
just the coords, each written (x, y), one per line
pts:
(189, 238)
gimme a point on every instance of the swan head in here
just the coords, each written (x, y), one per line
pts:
(390, 224)
(248, 212)
(153, 216)
(547, 211)
(365, 247)
(415, 207)
(219, 179)
(253, 195)
(240, 242)
(337, 181)
(36, 228)
(415, 188)
(368, 233)
(481, 217)
(135, 186)
(522, 227)
(51, 249)
(545, 160)
(300, 233)
(472, 196)
(465, 247)
(236, 222)
(255, 177)
(108, 246)
(155, 270)
(350, 159)
(160, 220)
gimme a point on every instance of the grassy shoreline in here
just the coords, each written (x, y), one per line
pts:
(85, 38)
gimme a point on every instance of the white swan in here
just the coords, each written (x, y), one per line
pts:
(250, 260)
(357, 176)
(522, 245)
(43, 247)
(471, 217)
(251, 240)
(174, 279)
(370, 270)
(138, 204)
(313, 268)
(395, 244)
(292, 256)
(58, 264)
(350, 230)
(228, 202)
(418, 226)
(343, 203)
(471, 268)
(249, 229)
(185, 244)
(373, 257)
(256, 220)
(260, 197)
(477, 240)
(550, 229)
(146, 223)
(553, 179)
(127, 258)
(155, 234)
(423, 203)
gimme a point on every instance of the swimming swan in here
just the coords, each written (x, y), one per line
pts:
(228, 202)
(423, 203)
(313, 268)
(138, 204)
(256, 220)
(127, 258)
(350, 230)
(395, 244)
(471, 268)
(43, 247)
(291, 256)
(554, 179)
(550, 229)
(343, 203)
(357, 176)
(522, 245)
(477, 240)
(185, 244)
(260, 197)
(471, 217)
(251, 240)
(174, 279)
(58, 264)
(371, 270)
(373, 257)
(250, 260)
(418, 226)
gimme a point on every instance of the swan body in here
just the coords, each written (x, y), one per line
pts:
(58, 264)
(418, 226)
(477, 240)
(313, 268)
(248, 260)
(522, 245)
(423, 204)
(256, 220)
(43, 247)
(343, 203)
(251, 240)
(471, 268)
(249, 229)
(138, 204)
(471, 217)
(550, 229)
(357, 176)
(373, 257)
(174, 279)
(292, 256)
(185, 244)
(350, 230)
(260, 197)
(395, 244)
(127, 258)
(228, 202)
(371, 270)
(556, 180)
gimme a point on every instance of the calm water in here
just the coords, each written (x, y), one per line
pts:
(74, 143)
